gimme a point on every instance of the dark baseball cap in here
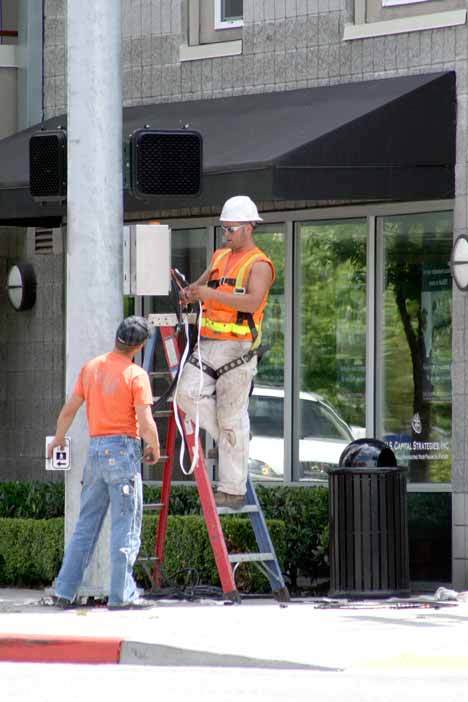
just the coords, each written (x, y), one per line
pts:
(133, 331)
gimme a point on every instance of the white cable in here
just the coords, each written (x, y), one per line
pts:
(183, 361)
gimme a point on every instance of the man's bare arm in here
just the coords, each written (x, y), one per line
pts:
(259, 283)
(64, 422)
(186, 295)
(149, 433)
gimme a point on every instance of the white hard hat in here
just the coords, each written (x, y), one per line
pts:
(240, 208)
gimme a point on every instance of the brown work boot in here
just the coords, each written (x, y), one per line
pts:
(223, 499)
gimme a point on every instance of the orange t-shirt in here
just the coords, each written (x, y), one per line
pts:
(112, 385)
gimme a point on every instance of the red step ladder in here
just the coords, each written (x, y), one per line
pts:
(167, 330)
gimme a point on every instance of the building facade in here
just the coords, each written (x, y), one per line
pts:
(366, 335)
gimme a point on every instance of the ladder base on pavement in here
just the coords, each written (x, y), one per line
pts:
(265, 559)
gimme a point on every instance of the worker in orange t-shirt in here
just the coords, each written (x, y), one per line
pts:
(118, 398)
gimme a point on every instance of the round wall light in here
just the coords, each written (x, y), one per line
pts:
(21, 286)
(459, 262)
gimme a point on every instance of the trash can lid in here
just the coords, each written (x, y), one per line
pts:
(367, 453)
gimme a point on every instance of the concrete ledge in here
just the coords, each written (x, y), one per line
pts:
(402, 25)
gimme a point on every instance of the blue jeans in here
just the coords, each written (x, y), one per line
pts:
(111, 476)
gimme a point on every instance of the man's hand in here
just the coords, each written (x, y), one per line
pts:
(57, 442)
(151, 455)
(198, 292)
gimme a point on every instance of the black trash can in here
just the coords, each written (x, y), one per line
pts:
(368, 523)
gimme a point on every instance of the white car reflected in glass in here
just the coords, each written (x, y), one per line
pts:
(324, 435)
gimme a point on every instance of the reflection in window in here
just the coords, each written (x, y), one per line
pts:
(231, 10)
(331, 320)
(415, 343)
(320, 423)
(266, 408)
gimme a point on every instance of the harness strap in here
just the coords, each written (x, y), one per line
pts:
(221, 281)
(231, 365)
(204, 366)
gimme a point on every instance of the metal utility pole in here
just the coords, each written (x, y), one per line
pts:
(94, 223)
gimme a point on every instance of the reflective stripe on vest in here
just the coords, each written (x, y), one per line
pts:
(228, 323)
(226, 327)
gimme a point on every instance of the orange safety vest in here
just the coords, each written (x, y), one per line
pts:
(222, 322)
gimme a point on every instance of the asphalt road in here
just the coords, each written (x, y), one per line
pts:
(24, 682)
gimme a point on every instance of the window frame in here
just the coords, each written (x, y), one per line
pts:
(290, 218)
(402, 21)
(220, 43)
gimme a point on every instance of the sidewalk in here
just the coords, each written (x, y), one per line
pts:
(313, 634)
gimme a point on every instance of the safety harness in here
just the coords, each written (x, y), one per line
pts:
(238, 285)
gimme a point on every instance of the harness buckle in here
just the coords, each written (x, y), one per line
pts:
(239, 291)
(222, 280)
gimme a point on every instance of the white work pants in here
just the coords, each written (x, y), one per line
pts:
(223, 407)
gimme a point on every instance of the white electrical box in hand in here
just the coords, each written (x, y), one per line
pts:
(61, 455)
(147, 259)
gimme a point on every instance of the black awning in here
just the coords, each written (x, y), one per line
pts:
(384, 140)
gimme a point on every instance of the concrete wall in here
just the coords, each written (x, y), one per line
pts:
(31, 359)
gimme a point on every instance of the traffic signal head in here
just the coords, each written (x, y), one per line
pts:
(165, 162)
(48, 165)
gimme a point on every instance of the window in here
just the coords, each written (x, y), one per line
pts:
(8, 22)
(228, 14)
(414, 345)
(330, 333)
(215, 25)
(381, 17)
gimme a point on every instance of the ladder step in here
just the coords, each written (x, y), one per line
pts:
(247, 509)
(147, 559)
(250, 557)
(153, 506)
(160, 374)
(161, 413)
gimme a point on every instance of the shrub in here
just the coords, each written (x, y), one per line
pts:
(303, 510)
(31, 550)
(32, 500)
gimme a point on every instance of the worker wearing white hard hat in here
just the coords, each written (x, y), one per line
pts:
(240, 208)
(234, 291)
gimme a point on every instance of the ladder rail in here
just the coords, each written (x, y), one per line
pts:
(266, 559)
(212, 520)
(160, 541)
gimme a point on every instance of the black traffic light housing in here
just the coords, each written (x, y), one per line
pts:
(48, 165)
(165, 162)
(156, 162)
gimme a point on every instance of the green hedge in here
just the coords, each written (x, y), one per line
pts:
(303, 510)
(31, 550)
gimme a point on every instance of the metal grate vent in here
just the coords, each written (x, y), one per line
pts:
(48, 165)
(166, 163)
(43, 241)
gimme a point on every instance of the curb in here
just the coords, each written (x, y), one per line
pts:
(36, 648)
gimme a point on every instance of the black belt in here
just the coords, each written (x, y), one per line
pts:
(231, 365)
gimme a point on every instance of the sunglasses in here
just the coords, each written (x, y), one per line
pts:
(231, 230)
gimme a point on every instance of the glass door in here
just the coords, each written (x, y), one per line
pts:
(414, 342)
(330, 343)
